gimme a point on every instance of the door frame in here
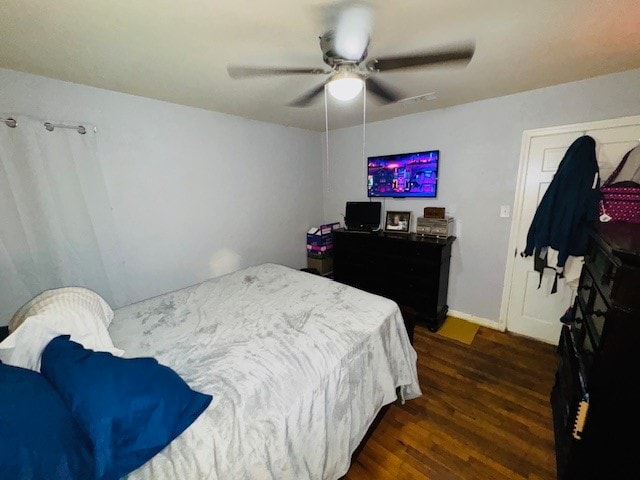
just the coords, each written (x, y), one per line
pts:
(513, 249)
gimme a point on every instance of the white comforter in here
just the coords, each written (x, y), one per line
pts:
(298, 366)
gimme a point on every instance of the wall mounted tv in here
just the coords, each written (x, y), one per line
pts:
(403, 175)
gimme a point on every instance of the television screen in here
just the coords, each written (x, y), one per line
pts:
(403, 174)
(363, 215)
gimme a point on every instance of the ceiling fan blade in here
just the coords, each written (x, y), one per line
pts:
(306, 99)
(238, 71)
(353, 27)
(454, 55)
(384, 93)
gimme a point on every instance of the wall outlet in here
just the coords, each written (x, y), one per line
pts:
(505, 211)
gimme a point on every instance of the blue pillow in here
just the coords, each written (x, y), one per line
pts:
(130, 408)
(39, 439)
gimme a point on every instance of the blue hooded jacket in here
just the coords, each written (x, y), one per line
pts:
(569, 207)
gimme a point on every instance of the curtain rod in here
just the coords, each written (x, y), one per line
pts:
(11, 123)
(50, 126)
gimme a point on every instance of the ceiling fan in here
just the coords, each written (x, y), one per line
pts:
(344, 48)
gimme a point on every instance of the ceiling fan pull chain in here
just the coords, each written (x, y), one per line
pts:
(326, 133)
(364, 134)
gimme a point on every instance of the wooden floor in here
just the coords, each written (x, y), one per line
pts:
(484, 414)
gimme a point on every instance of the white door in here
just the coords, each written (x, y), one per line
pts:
(532, 311)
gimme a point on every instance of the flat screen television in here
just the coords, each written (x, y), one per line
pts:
(403, 175)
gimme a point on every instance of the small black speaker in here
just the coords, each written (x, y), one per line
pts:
(363, 216)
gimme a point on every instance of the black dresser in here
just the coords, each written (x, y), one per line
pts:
(596, 396)
(409, 269)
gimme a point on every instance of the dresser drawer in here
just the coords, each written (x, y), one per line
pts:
(602, 268)
(593, 316)
(409, 266)
(625, 292)
(596, 314)
(618, 281)
(418, 251)
(586, 286)
(583, 337)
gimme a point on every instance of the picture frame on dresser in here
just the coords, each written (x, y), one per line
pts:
(397, 221)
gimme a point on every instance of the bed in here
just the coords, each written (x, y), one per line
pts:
(298, 366)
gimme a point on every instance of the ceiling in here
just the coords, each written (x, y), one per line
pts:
(178, 51)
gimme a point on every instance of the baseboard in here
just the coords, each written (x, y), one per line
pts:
(485, 322)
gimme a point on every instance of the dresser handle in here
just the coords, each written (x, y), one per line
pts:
(584, 287)
(608, 275)
(599, 313)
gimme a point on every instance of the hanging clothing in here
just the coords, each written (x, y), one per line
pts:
(569, 207)
(571, 270)
(546, 258)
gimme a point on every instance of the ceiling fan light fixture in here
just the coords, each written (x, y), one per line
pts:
(345, 87)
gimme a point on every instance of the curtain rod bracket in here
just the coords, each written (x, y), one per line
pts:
(9, 122)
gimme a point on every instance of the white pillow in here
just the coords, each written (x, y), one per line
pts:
(24, 347)
(63, 300)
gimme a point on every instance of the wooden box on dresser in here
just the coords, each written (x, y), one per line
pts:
(599, 363)
(411, 270)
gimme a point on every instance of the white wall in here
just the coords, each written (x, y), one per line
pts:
(480, 148)
(194, 193)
